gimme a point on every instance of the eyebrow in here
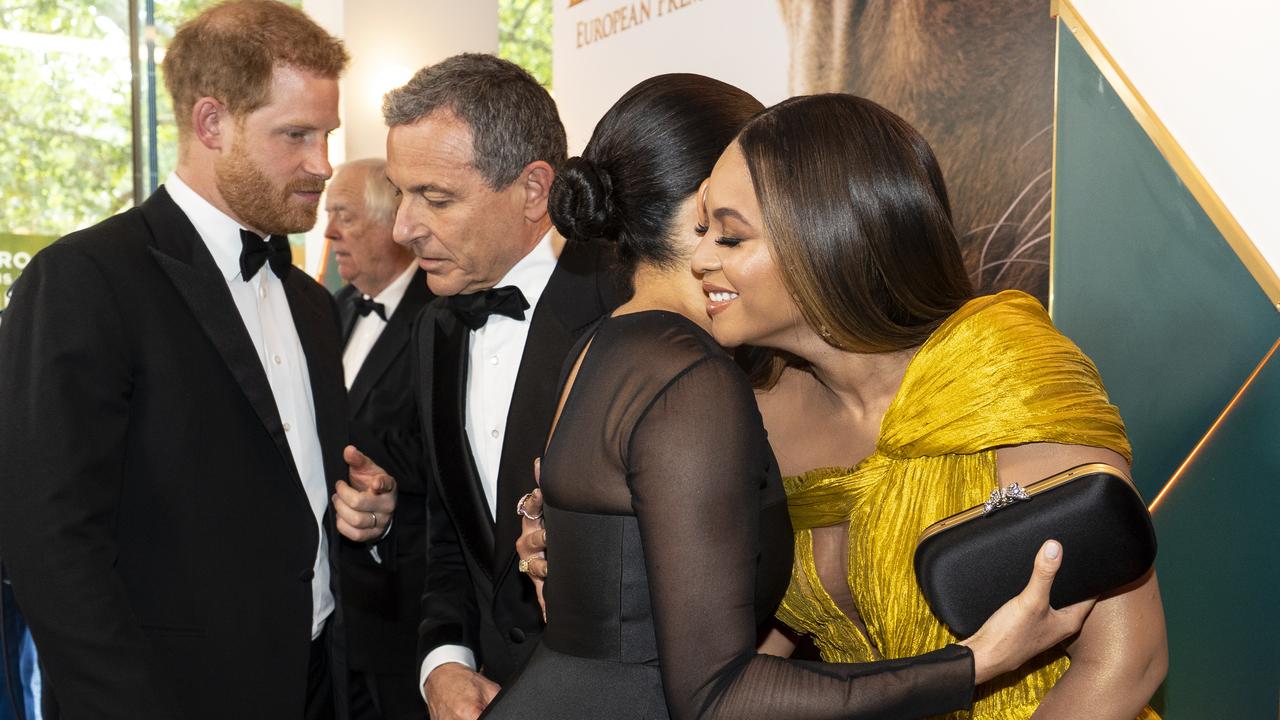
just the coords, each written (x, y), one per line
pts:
(430, 188)
(724, 212)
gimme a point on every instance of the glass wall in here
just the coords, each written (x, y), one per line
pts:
(86, 127)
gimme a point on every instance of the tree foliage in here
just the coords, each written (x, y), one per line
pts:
(66, 140)
(524, 36)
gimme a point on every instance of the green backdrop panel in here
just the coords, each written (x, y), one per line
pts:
(1218, 568)
(1147, 286)
(1143, 281)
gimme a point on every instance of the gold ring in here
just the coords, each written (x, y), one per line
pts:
(524, 565)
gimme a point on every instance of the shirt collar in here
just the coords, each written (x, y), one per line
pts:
(221, 233)
(532, 273)
(392, 294)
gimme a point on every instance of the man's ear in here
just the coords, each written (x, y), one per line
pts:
(536, 179)
(209, 122)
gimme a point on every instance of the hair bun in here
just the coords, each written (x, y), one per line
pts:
(581, 201)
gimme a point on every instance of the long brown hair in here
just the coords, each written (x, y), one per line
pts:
(861, 224)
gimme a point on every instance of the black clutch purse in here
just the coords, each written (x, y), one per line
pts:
(971, 563)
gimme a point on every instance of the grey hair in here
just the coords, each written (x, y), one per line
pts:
(512, 118)
(379, 195)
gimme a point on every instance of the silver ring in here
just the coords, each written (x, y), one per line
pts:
(522, 512)
(375, 520)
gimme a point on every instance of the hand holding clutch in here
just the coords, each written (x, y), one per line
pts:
(1026, 625)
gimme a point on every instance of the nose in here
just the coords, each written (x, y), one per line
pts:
(317, 162)
(402, 230)
(705, 258)
(331, 227)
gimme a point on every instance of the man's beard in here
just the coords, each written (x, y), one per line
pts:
(261, 205)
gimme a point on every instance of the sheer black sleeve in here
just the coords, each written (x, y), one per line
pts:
(695, 461)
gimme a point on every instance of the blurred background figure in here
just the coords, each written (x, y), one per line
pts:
(381, 582)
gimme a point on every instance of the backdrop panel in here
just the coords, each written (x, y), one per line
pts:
(1145, 283)
(975, 76)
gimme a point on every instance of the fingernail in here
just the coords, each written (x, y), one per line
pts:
(1052, 549)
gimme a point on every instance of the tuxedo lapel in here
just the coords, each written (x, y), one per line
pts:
(390, 343)
(346, 312)
(183, 256)
(318, 333)
(457, 469)
(570, 303)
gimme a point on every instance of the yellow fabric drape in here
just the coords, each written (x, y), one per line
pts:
(996, 373)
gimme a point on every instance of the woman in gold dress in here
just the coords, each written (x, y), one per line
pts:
(829, 241)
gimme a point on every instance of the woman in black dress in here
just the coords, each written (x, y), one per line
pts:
(671, 535)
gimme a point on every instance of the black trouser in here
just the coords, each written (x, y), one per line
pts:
(386, 696)
(319, 681)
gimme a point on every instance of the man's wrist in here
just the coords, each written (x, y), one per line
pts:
(443, 655)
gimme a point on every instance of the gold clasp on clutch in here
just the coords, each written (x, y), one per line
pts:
(1004, 497)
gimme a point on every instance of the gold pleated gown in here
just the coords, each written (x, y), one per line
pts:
(996, 373)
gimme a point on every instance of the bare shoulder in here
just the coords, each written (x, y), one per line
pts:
(1028, 463)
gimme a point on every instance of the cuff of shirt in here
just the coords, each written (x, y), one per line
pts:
(373, 546)
(441, 655)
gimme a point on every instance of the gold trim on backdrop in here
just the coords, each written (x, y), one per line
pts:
(1053, 157)
(1173, 153)
(1177, 474)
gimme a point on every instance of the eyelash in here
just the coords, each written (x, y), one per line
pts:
(701, 229)
(728, 241)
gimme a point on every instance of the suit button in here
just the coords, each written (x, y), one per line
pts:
(307, 575)
(517, 635)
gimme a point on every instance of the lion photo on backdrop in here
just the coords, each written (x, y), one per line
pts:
(976, 78)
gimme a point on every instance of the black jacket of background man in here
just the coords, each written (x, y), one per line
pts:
(382, 598)
(153, 521)
(474, 594)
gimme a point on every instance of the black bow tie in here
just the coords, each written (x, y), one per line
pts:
(366, 305)
(474, 309)
(256, 252)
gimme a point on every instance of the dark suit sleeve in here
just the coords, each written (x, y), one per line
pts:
(449, 613)
(65, 384)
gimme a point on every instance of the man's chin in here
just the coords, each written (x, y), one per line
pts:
(442, 278)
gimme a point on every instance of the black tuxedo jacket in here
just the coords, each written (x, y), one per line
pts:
(382, 598)
(152, 519)
(474, 595)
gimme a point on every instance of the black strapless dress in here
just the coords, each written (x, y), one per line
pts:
(670, 542)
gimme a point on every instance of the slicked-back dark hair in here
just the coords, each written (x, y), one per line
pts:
(647, 156)
(512, 118)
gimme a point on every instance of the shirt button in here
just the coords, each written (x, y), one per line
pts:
(287, 427)
(277, 359)
(493, 360)
(262, 291)
(493, 434)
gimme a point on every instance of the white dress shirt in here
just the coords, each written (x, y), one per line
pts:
(264, 309)
(369, 328)
(494, 353)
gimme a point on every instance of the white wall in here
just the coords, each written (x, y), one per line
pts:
(389, 40)
(742, 42)
(1211, 72)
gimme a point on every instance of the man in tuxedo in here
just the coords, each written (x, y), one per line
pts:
(173, 412)
(472, 150)
(381, 584)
